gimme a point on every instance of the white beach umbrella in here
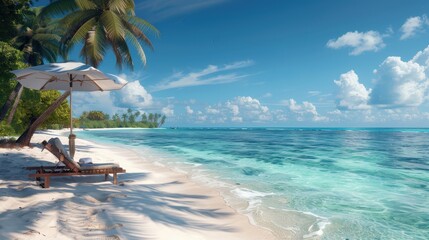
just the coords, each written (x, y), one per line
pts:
(72, 76)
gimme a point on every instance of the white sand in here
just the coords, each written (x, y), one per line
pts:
(150, 202)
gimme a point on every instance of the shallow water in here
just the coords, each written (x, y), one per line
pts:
(305, 183)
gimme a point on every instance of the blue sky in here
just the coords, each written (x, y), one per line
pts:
(279, 63)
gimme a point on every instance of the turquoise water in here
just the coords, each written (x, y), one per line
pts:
(305, 183)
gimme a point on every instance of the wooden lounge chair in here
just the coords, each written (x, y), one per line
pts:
(71, 168)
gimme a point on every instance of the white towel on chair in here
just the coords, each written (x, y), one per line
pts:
(86, 160)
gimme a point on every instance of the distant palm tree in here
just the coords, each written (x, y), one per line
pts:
(38, 40)
(162, 121)
(100, 24)
(124, 117)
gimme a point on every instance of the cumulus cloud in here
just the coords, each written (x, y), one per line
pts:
(397, 84)
(413, 25)
(251, 103)
(189, 110)
(359, 41)
(133, 95)
(238, 110)
(400, 83)
(168, 111)
(352, 95)
(306, 108)
(235, 110)
(212, 74)
(212, 110)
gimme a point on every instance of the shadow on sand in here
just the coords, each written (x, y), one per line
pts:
(89, 207)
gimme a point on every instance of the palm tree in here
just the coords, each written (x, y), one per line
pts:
(162, 121)
(38, 40)
(144, 118)
(150, 117)
(124, 117)
(100, 24)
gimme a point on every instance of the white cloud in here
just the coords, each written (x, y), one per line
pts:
(208, 76)
(352, 95)
(238, 110)
(237, 119)
(189, 110)
(413, 25)
(168, 111)
(399, 83)
(88, 101)
(233, 107)
(306, 108)
(133, 95)
(251, 103)
(212, 110)
(359, 41)
(280, 115)
(422, 58)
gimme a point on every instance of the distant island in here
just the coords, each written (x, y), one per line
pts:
(130, 119)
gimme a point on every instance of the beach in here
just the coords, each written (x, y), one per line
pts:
(151, 201)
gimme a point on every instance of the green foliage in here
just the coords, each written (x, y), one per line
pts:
(39, 38)
(128, 119)
(10, 59)
(33, 103)
(95, 115)
(11, 12)
(6, 130)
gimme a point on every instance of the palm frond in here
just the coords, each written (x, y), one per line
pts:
(85, 4)
(80, 33)
(135, 42)
(117, 53)
(95, 45)
(77, 18)
(58, 7)
(44, 37)
(113, 25)
(121, 6)
(139, 34)
(125, 53)
(142, 24)
(49, 54)
(75, 22)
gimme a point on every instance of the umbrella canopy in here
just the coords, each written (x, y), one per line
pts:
(57, 76)
(72, 76)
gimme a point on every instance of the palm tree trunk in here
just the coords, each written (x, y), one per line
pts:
(25, 138)
(14, 106)
(8, 103)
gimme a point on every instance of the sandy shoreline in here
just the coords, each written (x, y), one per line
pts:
(151, 202)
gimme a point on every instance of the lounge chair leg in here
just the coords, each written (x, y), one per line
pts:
(47, 182)
(106, 176)
(115, 178)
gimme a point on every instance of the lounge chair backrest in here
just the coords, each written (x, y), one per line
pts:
(55, 146)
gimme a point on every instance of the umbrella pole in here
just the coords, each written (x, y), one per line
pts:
(72, 137)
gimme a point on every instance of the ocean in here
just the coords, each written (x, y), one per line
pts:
(303, 183)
